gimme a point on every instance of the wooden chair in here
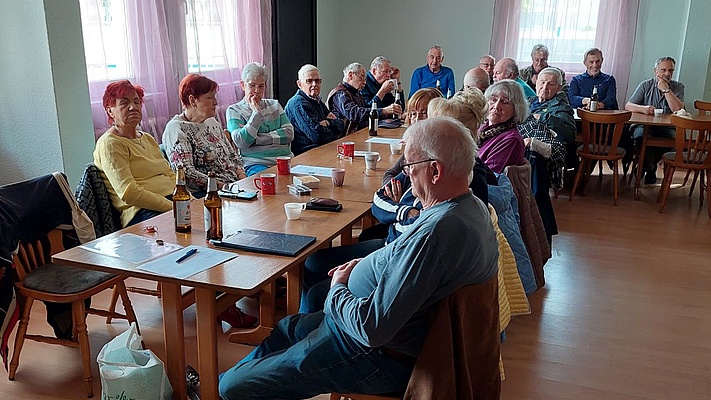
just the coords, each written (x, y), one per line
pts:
(691, 151)
(40, 279)
(704, 108)
(471, 369)
(601, 135)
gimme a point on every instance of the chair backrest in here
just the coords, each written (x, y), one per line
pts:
(93, 198)
(35, 254)
(704, 107)
(460, 356)
(602, 131)
(693, 140)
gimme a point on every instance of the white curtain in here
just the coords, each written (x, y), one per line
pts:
(565, 28)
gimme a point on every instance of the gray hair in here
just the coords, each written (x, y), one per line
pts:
(540, 47)
(446, 140)
(662, 59)
(554, 72)
(305, 70)
(438, 48)
(511, 66)
(592, 52)
(378, 62)
(352, 67)
(254, 70)
(514, 92)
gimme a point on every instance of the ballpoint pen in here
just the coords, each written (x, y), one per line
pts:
(186, 255)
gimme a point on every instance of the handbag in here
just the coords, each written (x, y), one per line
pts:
(324, 204)
(129, 372)
(81, 222)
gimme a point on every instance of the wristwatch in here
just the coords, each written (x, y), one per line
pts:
(665, 91)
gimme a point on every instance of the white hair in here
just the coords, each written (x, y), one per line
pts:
(352, 67)
(305, 70)
(254, 70)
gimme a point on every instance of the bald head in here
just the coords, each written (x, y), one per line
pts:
(478, 78)
(505, 68)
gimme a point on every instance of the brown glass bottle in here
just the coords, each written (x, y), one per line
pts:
(373, 121)
(181, 203)
(213, 210)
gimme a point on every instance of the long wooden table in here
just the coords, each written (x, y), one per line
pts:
(250, 273)
(246, 275)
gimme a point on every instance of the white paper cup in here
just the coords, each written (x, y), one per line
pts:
(396, 148)
(658, 112)
(293, 210)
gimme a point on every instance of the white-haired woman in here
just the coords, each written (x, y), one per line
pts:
(500, 143)
(259, 127)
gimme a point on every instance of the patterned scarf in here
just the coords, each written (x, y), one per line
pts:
(489, 131)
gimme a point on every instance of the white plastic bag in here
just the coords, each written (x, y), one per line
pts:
(130, 373)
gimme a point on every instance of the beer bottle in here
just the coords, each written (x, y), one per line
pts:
(439, 87)
(594, 99)
(397, 101)
(449, 93)
(373, 121)
(181, 203)
(213, 210)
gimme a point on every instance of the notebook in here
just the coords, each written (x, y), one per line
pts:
(283, 244)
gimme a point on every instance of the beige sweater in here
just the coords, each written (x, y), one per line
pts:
(136, 174)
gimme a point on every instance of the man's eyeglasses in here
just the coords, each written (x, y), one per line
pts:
(406, 168)
(316, 81)
(232, 188)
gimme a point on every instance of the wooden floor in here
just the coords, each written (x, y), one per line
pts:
(625, 314)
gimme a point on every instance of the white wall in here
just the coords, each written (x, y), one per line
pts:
(45, 124)
(404, 30)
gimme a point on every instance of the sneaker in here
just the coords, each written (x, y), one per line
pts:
(650, 178)
(192, 379)
(237, 318)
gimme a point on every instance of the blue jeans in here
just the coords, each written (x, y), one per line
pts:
(316, 284)
(307, 355)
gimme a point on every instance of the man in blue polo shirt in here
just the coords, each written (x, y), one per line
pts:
(428, 75)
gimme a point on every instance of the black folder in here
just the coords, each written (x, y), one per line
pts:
(283, 244)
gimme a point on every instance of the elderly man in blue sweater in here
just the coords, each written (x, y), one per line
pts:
(313, 124)
(376, 315)
(428, 75)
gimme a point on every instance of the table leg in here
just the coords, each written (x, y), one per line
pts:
(267, 316)
(206, 342)
(174, 337)
(640, 162)
(294, 277)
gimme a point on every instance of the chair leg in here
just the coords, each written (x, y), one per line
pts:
(701, 186)
(666, 184)
(581, 167)
(127, 306)
(112, 305)
(599, 170)
(665, 170)
(85, 350)
(708, 191)
(20, 337)
(615, 183)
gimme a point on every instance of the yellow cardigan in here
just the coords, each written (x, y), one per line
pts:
(136, 174)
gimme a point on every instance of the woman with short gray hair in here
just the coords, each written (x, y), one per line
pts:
(259, 127)
(500, 143)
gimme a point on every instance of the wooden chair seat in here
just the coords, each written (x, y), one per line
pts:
(691, 151)
(601, 135)
(42, 280)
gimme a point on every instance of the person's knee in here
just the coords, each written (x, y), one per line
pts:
(234, 385)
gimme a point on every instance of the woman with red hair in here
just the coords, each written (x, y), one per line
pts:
(139, 180)
(195, 139)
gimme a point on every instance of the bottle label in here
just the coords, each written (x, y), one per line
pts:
(206, 216)
(213, 231)
(373, 125)
(182, 212)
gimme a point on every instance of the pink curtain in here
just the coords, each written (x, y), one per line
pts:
(156, 52)
(614, 35)
(616, 27)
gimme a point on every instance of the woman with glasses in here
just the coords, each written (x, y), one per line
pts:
(196, 140)
(259, 127)
(314, 124)
(416, 111)
(500, 143)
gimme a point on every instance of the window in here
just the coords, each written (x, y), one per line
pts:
(566, 27)
(154, 43)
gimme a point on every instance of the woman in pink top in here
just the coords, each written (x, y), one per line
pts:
(500, 143)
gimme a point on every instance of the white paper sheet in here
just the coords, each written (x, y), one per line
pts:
(383, 140)
(312, 170)
(203, 259)
(130, 247)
